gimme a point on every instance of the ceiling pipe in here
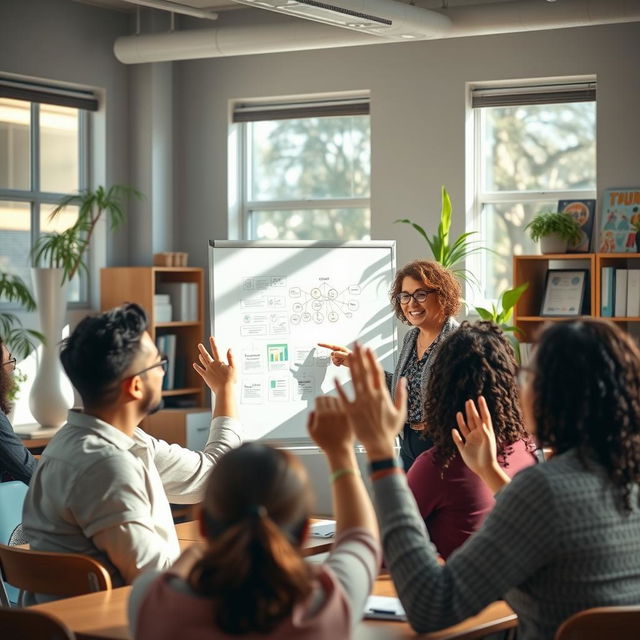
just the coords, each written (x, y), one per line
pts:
(494, 18)
(174, 7)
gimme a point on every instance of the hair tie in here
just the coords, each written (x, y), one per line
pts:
(257, 511)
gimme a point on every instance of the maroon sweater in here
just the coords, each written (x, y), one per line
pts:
(454, 501)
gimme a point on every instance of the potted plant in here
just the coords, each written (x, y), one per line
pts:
(19, 341)
(554, 230)
(57, 258)
(449, 254)
(501, 314)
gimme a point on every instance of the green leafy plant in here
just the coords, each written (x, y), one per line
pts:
(548, 222)
(448, 254)
(19, 340)
(67, 249)
(501, 314)
(18, 378)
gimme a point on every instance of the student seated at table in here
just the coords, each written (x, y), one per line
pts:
(16, 461)
(476, 359)
(103, 486)
(249, 580)
(564, 535)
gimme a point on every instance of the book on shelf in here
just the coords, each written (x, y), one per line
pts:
(633, 293)
(584, 213)
(620, 300)
(166, 344)
(620, 213)
(607, 292)
(184, 299)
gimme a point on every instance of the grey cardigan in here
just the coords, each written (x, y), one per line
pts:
(450, 325)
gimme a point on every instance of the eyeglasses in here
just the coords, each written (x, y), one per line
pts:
(523, 375)
(11, 361)
(419, 295)
(163, 363)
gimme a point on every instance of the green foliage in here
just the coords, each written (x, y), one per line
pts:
(19, 341)
(17, 379)
(501, 314)
(548, 222)
(67, 249)
(448, 254)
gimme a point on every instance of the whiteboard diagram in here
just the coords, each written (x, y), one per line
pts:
(272, 304)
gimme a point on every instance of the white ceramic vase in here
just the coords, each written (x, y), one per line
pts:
(51, 394)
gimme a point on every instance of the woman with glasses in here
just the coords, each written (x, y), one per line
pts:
(16, 463)
(426, 296)
(564, 536)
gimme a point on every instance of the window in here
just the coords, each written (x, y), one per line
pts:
(305, 170)
(43, 156)
(533, 146)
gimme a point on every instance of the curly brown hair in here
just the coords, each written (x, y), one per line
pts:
(476, 359)
(436, 278)
(586, 396)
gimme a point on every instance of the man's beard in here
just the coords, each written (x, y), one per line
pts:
(6, 382)
(150, 406)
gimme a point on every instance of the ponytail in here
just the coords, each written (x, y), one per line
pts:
(252, 572)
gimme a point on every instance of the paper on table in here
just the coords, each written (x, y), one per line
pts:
(384, 608)
(323, 529)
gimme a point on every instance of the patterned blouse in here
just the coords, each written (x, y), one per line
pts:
(413, 374)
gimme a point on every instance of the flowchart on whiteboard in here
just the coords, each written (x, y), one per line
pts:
(273, 318)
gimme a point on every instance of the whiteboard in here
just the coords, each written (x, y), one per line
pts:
(271, 303)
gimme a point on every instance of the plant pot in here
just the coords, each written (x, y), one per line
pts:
(553, 243)
(51, 395)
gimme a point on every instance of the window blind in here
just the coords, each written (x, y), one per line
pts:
(533, 94)
(254, 111)
(47, 93)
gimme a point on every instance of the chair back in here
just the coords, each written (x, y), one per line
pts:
(57, 574)
(24, 624)
(621, 623)
(12, 496)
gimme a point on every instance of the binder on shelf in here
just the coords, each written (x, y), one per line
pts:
(184, 299)
(620, 304)
(166, 344)
(633, 293)
(607, 291)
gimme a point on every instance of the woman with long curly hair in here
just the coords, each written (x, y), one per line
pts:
(476, 360)
(426, 296)
(564, 536)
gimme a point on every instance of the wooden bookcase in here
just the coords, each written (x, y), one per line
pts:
(533, 269)
(139, 285)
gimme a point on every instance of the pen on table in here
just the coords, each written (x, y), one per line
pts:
(387, 611)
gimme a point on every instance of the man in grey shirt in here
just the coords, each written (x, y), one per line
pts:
(103, 485)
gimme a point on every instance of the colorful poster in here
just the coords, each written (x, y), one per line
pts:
(619, 220)
(584, 213)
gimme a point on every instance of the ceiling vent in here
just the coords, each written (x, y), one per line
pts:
(383, 18)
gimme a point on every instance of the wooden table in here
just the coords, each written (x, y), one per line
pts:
(103, 616)
(189, 532)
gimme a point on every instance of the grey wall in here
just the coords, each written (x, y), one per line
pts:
(417, 116)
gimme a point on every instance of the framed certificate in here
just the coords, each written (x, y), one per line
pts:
(564, 292)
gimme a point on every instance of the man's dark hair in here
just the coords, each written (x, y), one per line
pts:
(100, 350)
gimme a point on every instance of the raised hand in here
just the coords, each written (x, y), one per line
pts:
(329, 426)
(340, 356)
(476, 442)
(376, 419)
(218, 375)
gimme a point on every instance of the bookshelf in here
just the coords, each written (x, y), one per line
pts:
(533, 269)
(139, 285)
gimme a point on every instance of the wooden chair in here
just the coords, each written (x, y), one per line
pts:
(23, 624)
(621, 623)
(57, 574)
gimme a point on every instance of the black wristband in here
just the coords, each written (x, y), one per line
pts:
(387, 463)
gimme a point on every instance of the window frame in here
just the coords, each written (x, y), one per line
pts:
(477, 262)
(245, 205)
(37, 198)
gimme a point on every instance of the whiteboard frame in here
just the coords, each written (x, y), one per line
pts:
(294, 443)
